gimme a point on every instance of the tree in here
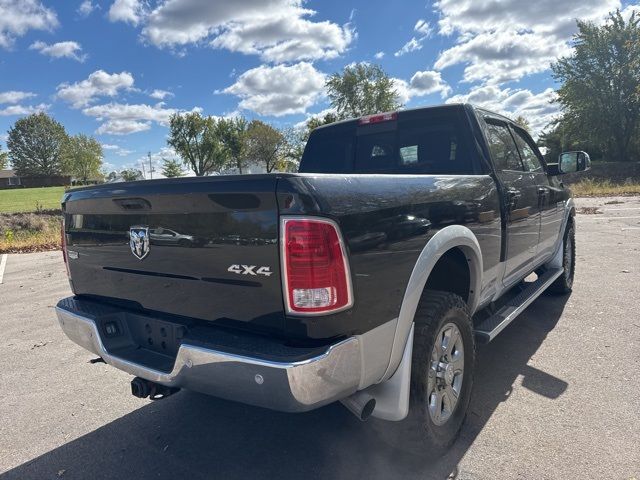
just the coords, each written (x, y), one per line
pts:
(111, 176)
(362, 89)
(296, 140)
(131, 175)
(265, 145)
(82, 157)
(4, 159)
(35, 145)
(172, 168)
(232, 133)
(560, 136)
(600, 92)
(195, 139)
(523, 122)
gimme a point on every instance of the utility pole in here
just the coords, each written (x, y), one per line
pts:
(144, 173)
(151, 170)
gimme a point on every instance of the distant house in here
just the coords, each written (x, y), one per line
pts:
(8, 179)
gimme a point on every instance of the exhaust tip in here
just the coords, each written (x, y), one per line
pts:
(360, 404)
(368, 409)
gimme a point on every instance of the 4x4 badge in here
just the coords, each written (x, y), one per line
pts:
(139, 241)
(250, 270)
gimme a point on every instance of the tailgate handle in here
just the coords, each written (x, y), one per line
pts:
(133, 203)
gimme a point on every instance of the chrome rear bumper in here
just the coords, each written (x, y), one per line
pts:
(285, 386)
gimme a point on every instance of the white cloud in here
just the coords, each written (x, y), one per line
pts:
(124, 118)
(411, 46)
(123, 127)
(504, 40)
(23, 109)
(279, 90)
(498, 57)
(538, 108)
(15, 96)
(276, 30)
(128, 11)
(421, 84)
(427, 82)
(423, 27)
(86, 8)
(160, 94)
(99, 83)
(18, 17)
(424, 30)
(67, 49)
(116, 149)
(379, 55)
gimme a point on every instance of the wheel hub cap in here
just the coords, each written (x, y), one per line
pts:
(446, 373)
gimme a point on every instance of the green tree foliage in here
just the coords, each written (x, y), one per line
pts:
(111, 176)
(296, 140)
(561, 136)
(315, 122)
(266, 146)
(523, 122)
(35, 145)
(172, 168)
(4, 159)
(362, 89)
(131, 175)
(232, 133)
(82, 157)
(196, 140)
(600, 92)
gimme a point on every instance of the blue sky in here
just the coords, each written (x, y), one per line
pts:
(117, 69)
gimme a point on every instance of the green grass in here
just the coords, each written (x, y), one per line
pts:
(29, 232)
(604, 188)
(30, 199)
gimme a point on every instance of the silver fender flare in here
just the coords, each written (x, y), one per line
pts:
(449, 237)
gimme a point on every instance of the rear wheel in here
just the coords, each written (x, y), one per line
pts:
(564, 283)
(441, 375)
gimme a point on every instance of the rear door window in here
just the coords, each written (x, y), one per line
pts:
(502, 147)
(529, 157)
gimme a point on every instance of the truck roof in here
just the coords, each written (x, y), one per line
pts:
(451, 106)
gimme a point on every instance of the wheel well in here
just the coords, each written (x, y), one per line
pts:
(451, 274)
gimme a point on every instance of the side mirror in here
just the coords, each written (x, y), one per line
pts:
(570, 162)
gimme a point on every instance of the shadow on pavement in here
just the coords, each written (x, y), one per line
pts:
(193, 436)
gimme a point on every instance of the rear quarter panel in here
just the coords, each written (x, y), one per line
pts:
(386, 221)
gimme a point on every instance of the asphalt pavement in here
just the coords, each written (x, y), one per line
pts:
(556, 395)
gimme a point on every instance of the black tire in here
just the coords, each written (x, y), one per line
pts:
(564, 284)
(418, 433)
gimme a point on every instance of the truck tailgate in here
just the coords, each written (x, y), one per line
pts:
(205, 248)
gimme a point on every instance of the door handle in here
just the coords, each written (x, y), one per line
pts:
(513, 193)
(513, 196)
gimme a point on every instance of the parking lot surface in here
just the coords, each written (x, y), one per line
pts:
(556, 395)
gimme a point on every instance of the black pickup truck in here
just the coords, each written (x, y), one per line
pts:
(368, 277)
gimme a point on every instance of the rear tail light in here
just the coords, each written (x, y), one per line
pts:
(315, 268)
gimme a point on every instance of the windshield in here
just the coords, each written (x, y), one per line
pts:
(433, 143)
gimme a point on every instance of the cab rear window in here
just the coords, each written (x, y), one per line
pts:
(428, 144)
